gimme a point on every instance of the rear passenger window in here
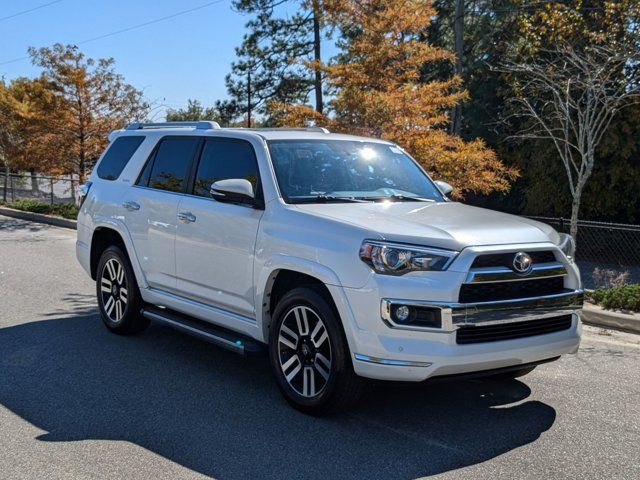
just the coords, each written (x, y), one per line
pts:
(171, 164)
(222, 159)
(117, 157)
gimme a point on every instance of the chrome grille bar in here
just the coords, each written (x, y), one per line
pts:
(505, 274)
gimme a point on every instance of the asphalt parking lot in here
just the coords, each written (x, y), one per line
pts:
(78, 402)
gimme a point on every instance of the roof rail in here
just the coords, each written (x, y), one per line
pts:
(202, 125)
(285, 129)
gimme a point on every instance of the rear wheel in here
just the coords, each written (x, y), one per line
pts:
(309, 355)
(118, 295)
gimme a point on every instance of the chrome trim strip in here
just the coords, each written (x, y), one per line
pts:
(388, 361)
(487, 313)
(505, 274)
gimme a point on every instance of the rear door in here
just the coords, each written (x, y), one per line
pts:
(215, 243)
(150, 208)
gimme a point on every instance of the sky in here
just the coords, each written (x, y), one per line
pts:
(171, 60)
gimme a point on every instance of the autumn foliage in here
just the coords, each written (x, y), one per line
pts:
(58, 122)
(380, 89)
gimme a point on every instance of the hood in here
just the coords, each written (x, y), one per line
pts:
(449, 225)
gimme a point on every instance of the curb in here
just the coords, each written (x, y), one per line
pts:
(39, 217)
(599, 317)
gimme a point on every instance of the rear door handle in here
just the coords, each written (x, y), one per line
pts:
(186, 217)
(131, 206)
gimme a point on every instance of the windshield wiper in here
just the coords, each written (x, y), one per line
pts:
(327, 199)
(400, 198)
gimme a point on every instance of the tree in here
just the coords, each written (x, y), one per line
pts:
(194, 112)
(274, 59)
(569, 97)
(380, 90)
(95, 98)
(28, 108)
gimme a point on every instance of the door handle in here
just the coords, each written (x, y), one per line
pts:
(186, 217)
(131, 206)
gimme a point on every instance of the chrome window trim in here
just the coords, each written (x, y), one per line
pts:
(505, 274)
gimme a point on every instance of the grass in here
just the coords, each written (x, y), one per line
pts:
(623, 297)
(69, 211)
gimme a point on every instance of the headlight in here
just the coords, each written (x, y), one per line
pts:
(567, 245)
(397, 259)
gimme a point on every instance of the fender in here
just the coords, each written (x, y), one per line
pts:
(119, 226)
(266, 275)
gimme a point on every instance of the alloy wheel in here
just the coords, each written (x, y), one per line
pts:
(304, 351)
(113, 288)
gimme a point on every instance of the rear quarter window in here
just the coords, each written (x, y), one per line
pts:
(118, 155)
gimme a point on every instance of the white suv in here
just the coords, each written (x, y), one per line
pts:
(337, 253)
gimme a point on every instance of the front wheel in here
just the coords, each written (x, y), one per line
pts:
(309, 355)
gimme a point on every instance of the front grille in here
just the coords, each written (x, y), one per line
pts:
(506, 259)
(490, 292)
(510, 331)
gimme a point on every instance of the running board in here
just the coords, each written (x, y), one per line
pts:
(222, 337)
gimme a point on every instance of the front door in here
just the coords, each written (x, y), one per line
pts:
(215, 240)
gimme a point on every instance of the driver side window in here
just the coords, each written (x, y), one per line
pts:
(222, 159)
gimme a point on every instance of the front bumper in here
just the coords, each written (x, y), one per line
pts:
(415, 359)
(386, 350)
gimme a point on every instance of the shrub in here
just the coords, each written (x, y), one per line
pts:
(609, 278)
(626, 297)
(65, 210)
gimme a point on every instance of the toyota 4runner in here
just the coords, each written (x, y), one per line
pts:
(337, 254)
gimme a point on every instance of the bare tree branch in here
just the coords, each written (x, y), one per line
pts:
(570, 97)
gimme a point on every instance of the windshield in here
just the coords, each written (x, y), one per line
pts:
(310, 171)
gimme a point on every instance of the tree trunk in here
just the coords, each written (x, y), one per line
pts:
(458, 32)
(35, 188)
(248, 98)
(575, 209)
(316, 56)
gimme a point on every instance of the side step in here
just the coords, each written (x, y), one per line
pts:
(220, 336)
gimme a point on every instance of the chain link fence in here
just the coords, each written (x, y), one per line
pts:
(52, 190)
(606, 252)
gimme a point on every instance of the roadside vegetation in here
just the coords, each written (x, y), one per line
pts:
(621, 297)
(66, 210)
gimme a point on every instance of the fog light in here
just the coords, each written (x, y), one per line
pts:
(409, 316)
(402, 313)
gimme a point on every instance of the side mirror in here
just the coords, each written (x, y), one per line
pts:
(235, 190)
(444, 187)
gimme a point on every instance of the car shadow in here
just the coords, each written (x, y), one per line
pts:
(221, 414)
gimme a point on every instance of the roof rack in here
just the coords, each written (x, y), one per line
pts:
(284, 129)
(202, 125)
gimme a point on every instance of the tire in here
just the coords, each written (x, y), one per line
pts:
(510, 375)
(309, 355)
(118, 295)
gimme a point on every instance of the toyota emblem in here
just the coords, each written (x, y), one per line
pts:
(522, 263)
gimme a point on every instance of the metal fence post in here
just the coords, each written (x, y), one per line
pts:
(51, 185)
(13, 195)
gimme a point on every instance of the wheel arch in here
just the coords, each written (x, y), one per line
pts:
(105, 235)
(291, 273)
